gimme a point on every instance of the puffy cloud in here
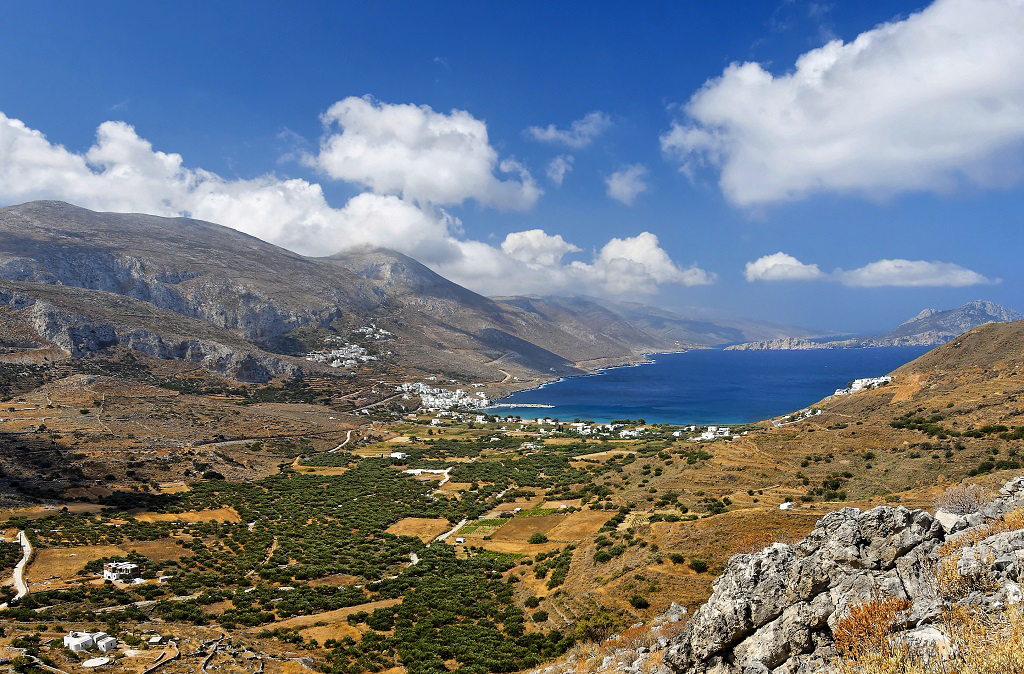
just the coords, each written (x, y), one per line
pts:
(419, 154)
(637, 265)
(918, 104)
(781, 267)
(580, 133)
(559, 167)
(536, 247)
(625, 184)
(122, 172)
(905, 273)
(912, 273)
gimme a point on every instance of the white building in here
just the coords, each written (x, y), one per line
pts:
(78, 642)
(119, 570)
(106, 644)
(398, 455)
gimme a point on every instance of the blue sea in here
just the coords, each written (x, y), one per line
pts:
(710, 386)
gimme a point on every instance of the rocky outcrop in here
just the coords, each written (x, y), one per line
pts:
(794, 344)
(774, 610)
(79, 335)
(216, 357)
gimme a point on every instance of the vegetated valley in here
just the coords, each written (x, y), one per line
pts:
(322, 519)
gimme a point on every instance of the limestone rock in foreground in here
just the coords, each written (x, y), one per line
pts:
(774, 610)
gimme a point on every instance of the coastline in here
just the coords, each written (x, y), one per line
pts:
(591, 368)
(806, 379)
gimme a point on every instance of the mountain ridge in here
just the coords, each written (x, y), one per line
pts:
(283, 304)
(930, 327)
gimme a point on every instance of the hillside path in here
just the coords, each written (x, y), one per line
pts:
(19, 569)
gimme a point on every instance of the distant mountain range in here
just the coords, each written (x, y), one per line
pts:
(74, 282)
(928, 328)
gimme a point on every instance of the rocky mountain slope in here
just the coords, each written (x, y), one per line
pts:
(930, 327)
(260, 301)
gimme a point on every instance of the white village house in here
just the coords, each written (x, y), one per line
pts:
(119, 570)
(79, 642)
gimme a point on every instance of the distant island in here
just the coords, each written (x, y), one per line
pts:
(930, 327)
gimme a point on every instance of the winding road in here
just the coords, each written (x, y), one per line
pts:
(348, 436)
(19, 569)
(452, 531)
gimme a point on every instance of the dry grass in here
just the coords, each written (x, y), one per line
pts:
(61, 564)
(219, 515)
(587, 657)
(337, 615)
(867, 631)
(578, 525)
(424, 528)
(981, 642)
(521, 528)
(161, 550)
(950, 582)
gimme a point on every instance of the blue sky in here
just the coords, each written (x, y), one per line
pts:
(833, 165)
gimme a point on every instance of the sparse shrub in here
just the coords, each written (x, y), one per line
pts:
(866, 633)
(639, 602)
(698, 565)
(962, 499)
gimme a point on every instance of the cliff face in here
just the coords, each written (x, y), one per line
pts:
(76, 322)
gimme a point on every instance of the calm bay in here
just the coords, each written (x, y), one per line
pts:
(710, 386)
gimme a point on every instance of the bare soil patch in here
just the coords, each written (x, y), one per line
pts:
(173, 488)
(517, 547)
(35, 512)
(61, 564)
(329, 471)
(424, 528)
(337, 615)
(162, 550)
(521, 528)
(227, 514)
(578, 525)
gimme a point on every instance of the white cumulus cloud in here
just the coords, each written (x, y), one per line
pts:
(912, 273)
(535, 247)
(559, 167)
(419, 154)
(627, 183)
(122, 172)
(580, 133)
(883, 273)
(637, 264)
(780, 267)
(925, 103)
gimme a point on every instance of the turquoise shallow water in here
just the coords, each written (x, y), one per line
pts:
(710, 386)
